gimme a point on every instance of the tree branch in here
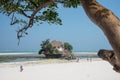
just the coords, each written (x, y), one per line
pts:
(14, 20)
(33, 3)
(24, 14)
(22, 31)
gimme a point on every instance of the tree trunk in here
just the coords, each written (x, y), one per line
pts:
(107, 21)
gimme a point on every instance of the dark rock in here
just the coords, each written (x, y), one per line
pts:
(57, 51)
(109, 56)
(53, 55)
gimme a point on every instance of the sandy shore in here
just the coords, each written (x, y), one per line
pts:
(82, 70)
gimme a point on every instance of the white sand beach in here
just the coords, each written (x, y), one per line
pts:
(82, 70)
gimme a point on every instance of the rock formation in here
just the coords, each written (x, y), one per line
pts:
(56, 50)
(109, 56)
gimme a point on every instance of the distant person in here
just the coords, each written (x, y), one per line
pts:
(21, 68)
(87, 59)
(78, 59)
(90, 59)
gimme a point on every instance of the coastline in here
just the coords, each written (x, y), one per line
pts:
(34, 56)
(26, 62)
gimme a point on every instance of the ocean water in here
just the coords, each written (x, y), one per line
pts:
(34, 56)
(35, 53)
(85, 54)
(17, 52)
(19, 56)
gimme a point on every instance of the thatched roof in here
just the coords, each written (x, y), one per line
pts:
(56, 43)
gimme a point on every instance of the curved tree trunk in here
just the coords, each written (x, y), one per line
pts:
(107, 21)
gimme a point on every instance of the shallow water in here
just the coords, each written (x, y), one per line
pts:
(33, 56)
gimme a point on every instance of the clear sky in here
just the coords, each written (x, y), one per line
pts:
(77, 29)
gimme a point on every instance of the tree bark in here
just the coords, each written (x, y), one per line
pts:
(107, 21)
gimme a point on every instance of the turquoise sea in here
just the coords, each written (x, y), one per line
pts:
(35, 53)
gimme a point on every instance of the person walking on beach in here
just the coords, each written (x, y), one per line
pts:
(21, 68)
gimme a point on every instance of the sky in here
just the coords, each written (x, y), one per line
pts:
(77, 29)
